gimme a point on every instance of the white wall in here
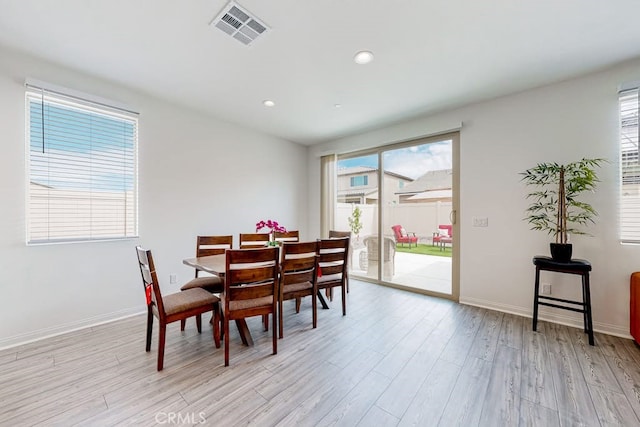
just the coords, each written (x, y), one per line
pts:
(197, 175)
(562, 122)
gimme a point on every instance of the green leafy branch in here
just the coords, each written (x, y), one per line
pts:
(554, 205)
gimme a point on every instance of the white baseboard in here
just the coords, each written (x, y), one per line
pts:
(549, 315)
(67, 327)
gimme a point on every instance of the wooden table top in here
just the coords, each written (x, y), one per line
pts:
(214, 264)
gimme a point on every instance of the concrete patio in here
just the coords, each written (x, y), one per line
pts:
(424, 272)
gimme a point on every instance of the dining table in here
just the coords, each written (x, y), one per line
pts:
(216, 264)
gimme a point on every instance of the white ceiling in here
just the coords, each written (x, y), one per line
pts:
(430, 55)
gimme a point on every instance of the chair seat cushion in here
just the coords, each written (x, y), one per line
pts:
(329, 278)
(296, 287)
(407, 240)
(187, 300)
(248, 303)
(211, 283)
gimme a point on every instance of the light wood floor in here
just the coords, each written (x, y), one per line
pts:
(396, 359)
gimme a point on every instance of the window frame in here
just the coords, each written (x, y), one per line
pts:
(629, 165)
(122, 220)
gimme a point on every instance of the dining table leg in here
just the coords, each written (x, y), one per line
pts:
(323, 302)
(243, 330)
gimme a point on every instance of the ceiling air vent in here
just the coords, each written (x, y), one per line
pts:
(239, 24)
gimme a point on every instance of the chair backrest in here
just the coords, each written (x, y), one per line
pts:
(299, 263)
(288, 236)
(334, 233)
(397, 231)
(448, 228)
(253, 240)
(333, 255)
(213, 245)
(150, 280)
(389, 248)
(251, 273)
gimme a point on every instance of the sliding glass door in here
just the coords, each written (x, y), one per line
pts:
(357, 206)
(400, 202)
(414, 213)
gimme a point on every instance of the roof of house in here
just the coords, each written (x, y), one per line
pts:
(432, 180)
(356, 170)
(432, 195)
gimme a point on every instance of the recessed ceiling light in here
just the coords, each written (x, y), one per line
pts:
(363, 57)
(337, 105)
(268, 103)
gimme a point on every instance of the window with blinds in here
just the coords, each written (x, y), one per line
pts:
(82, 169)
(630, 168)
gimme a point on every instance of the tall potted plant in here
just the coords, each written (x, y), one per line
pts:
(555, 207)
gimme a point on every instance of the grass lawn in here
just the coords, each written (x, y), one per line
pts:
(425, 249)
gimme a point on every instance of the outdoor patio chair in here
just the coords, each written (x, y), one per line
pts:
(402, 236)
(373, 258)
(445, 231)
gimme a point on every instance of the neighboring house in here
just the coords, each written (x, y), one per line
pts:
(359, 184)
(433, 186)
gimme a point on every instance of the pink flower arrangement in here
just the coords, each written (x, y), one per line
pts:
(273, 226)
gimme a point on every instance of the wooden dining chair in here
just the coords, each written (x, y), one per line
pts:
(253, 240)
(332, 266)
(173, 307)
(205, 246)
(250, 288)
(336, 234)
(287, 236)
(298, 277)
(212, 245)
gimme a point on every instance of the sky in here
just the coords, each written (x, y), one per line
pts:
(80, 149)
(412, 161)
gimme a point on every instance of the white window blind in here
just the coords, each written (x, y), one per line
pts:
(630, 167)
(82, 169)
